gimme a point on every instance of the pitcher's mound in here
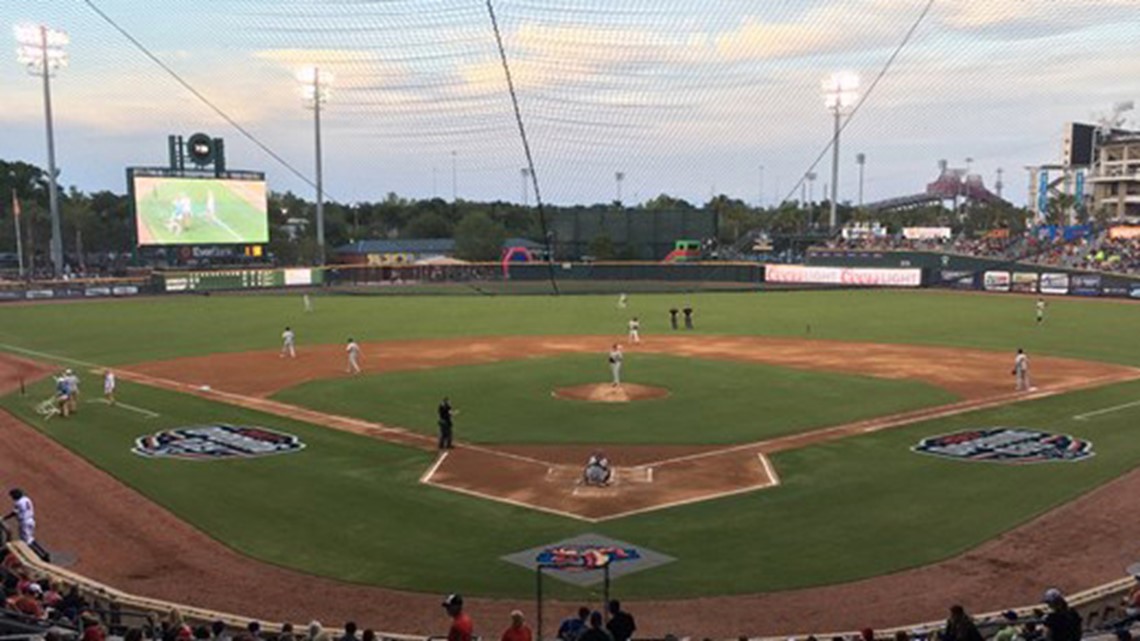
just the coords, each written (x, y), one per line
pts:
(606, 393)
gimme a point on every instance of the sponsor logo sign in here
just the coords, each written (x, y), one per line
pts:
(577, 558)
(1124, 231)
(926, 233)
(1135, 293)
(1024, 282)
(216, 442)
(177, 284)
(97, 291)
(957, 279)
(298, 277)
(848, 276)
(1085, 284)
(996, 281)
(125, 290)
(1011, 445)
(1054, 284)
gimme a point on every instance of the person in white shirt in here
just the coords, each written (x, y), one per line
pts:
(1021, 371)
(615, 364)
(1040, 310)
(353, 351)
(287, 340)
(25, 514)
(634, 330)
(623, 301)
(109, 386)
(307, 302)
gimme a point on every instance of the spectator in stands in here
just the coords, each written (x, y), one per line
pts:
(369, 635)
(1062, 623)
(902, 635)
(960, 627)
(621, 625)
(518, 630)
(134, 634)
(177, 630)
(573, 627)
(218, 631)
(867, 634)
(462, 628)
(595, 632)
(315, 630)
(92, 629)
(27, 602)
(201, 633)
(1132, 601)
(349, 631)
(287, 633)
(1009, 631)
(254, 630)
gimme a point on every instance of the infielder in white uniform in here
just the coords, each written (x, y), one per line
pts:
(615, 364)
(1021, 370)
(1040, 310)
(25, 513)
(287, 339)
(634, 330)
(72, 382)
(353, 351)
(109, 386)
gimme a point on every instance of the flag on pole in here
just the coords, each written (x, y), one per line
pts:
(15, 204)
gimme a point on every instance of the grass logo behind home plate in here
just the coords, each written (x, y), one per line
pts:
(1006, 445)
(216, 442)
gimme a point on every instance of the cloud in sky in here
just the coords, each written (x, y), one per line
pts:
(676, 95)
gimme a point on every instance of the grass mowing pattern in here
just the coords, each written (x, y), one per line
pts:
(816, 529)
(712, 402)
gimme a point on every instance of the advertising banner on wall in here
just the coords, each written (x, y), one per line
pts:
(1024, 282)
(1085, 284)
(1042, 192)
(926, 233)
(1054, 284)
(956, 279)
(1124, 231)
(996, 281)
(846, 276)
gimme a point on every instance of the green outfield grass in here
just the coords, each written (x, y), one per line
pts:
(846, 510)
(117, 332)
(711, 401)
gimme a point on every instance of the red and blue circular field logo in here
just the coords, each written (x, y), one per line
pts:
(584, 557)
(1006, 445)
(215, 442)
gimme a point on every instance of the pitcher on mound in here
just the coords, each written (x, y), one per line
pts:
(615, 364)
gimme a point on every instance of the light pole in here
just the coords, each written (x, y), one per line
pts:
(760, 203)
(839, 94)
(861, 160)
(524, 173)
(618, 177)
(40, 49)
(811, 176)
(315, 88)
(454, 178)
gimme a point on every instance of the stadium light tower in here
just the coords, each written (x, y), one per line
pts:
(618, 177)
(861, 160)
(40, 49)
(840, 95)
(315, 89)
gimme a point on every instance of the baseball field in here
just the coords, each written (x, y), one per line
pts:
(777, 454)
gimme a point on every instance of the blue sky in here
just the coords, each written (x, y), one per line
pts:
(688, 98)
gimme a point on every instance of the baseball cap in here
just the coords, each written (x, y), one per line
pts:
(1051, 595)
(452, 599)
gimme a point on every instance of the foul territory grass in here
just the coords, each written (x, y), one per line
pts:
(351, 507)
(710, 401)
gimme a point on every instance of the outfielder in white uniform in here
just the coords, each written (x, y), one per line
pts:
(615, 364)
(1021, 371)
(1040, 310)
(307, 302)
(287, 340)
(623, 301)
(353, 351)
(634, 330)
(109, 386)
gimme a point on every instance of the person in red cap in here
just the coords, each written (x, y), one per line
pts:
(462, 628)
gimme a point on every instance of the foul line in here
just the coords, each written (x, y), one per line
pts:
(45, 355)
(132, 408)
(435, 466)
(1107, 410)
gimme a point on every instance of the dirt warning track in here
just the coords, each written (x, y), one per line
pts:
(647, 477)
